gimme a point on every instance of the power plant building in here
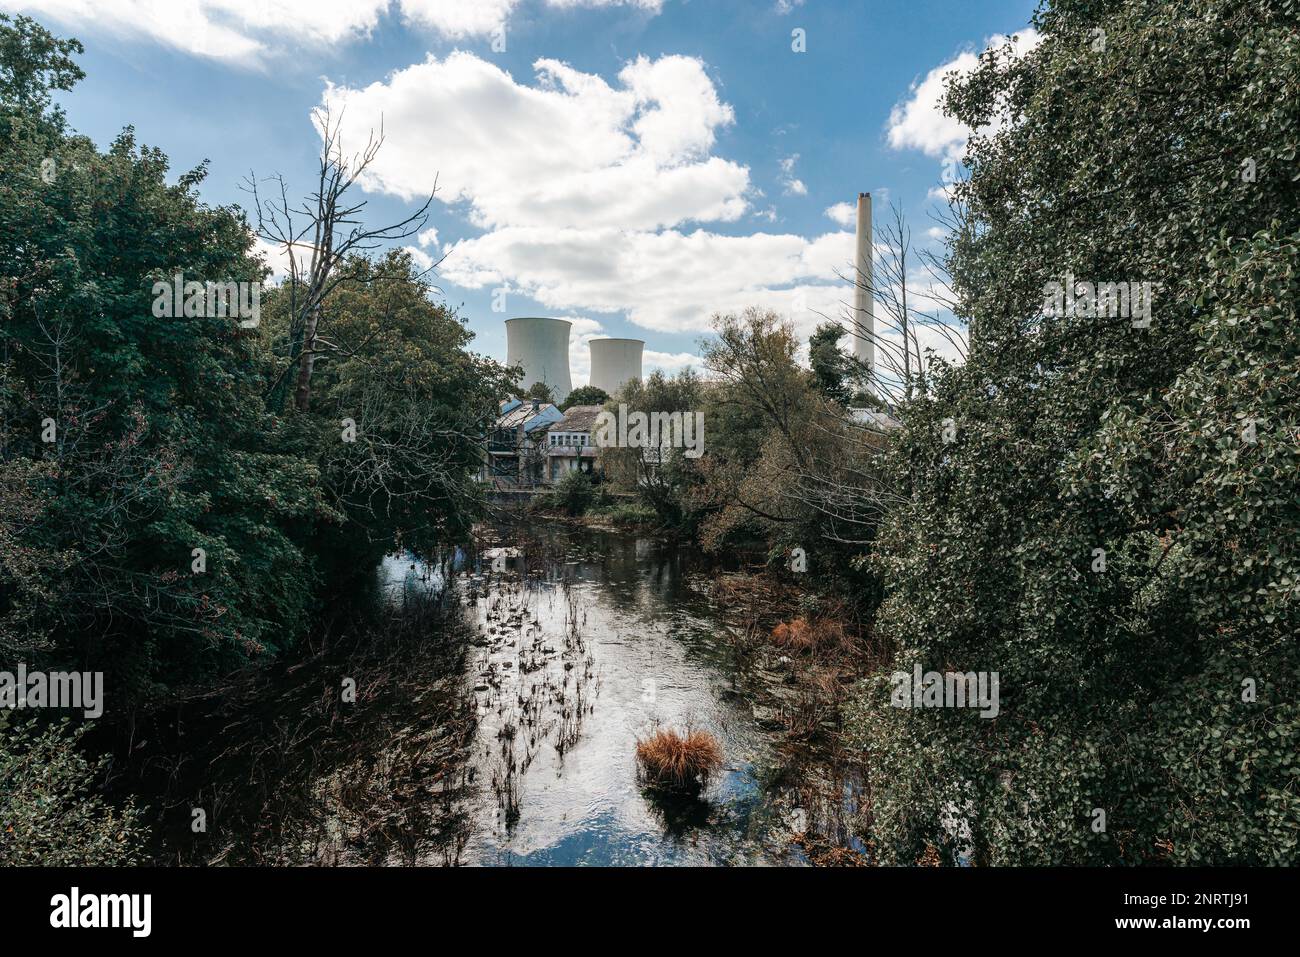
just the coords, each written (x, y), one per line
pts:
(541, 346)
(615, 362)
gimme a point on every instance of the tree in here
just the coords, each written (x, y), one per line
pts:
(585, 395)
(784, 461)
(831, 368)
(319, 237)
(161, 444)
(541, 392)
(662, 475)
(1102, 508)
(417, 400)
(34, 63)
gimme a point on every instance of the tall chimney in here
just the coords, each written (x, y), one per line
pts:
(864, 306)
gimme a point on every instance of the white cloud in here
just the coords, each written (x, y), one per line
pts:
(789, 182)
(244, 32)
(276, 256)
(428, 238)
(569, 150)
(919, 122)
(234, 30)
(423, 261)
(843, 213)
(668, 281)
(670, 363)
(457, 18)
(581, 333)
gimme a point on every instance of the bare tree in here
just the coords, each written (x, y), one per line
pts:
(900, 370)
(319, 235)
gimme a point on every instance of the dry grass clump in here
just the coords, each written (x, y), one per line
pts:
(824, 636)
(678, 762)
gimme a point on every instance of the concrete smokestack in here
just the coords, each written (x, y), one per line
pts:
(615, 362)
(864, 305)
(541, 346)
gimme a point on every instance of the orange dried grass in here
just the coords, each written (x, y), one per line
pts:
(682, 762)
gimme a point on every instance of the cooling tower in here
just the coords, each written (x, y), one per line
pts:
(614, 362)
(541, 346)
(864, 307)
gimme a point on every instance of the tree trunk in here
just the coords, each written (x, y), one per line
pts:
(302, 391)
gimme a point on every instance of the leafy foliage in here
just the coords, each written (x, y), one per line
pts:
(47, 815)
(585, 395)
(1157, 687)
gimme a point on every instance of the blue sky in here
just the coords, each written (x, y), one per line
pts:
(631, 165)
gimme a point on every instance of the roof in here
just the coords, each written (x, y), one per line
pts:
(524, 414)
(579, 418)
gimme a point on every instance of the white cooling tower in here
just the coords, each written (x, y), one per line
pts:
(615, 362)
(541, 346)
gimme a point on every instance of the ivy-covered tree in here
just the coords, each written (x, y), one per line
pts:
(1104, 510)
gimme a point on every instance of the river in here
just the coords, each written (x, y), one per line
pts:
(491, 719)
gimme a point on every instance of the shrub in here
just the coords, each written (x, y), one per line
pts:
(630, 514)
(573, 494)
(679, 762)
(48, 816)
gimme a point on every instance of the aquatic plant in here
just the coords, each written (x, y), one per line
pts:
(678, 762)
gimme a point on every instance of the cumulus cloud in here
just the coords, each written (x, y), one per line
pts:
(843, 213)
(670, 281)
(918, 122)
(244, 31)
(569, 149)
(423, 261)
(670, 363)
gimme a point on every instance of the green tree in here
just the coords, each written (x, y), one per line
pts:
(160, 442)
(541, 392)
(418, 402)
(585, 395)
(831, 368)
(1104, 511)
(661, 476)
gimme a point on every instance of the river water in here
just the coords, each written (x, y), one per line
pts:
(585, 641)
(499, 731)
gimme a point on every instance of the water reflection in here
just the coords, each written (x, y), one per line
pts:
(505, 734)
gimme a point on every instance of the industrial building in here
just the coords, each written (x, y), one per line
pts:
(541, 347)
(615, 362)
(864, 306)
